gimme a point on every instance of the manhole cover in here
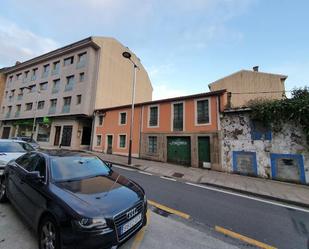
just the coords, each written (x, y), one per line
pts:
(179, 175)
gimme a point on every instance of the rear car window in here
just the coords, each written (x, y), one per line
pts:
(15, 147)
(76, 167)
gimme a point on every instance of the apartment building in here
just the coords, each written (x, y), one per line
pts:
(245, 85)
(182, 130)
(62, 88)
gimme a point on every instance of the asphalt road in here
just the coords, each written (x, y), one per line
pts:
(274, 225)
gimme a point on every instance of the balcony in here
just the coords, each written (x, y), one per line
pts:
(8, 115)
(19, 96)
(17, 113)
(45, 74)
(80, 64)
(11, 98)
(33, 77)
(66, 109)
(55, 89)
(69, 87)
(55, 71)
(52, 110)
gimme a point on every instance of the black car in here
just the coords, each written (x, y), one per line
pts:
(74, 199)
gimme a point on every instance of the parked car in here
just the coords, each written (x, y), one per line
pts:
(28, 140)
(74, 199)
(12, 149)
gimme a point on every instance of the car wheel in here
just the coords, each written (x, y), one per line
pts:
(3, 197)
(48, 234)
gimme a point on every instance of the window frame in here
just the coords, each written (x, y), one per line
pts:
(196, 112)
(119, 120)
(158, 117)
(100, 116)
(183, 115)
(119, 135)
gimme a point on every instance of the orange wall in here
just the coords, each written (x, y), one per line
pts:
(111, 127)
(165, 112)
(111, 123)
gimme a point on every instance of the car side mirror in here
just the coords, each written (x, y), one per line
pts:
(110, 165)
(35, 176)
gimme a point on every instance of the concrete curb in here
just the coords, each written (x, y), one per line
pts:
(254, 194)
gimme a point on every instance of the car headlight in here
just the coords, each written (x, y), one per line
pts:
(88, 223)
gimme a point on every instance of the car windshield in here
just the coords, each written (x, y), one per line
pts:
(10, 146)
(77, 167)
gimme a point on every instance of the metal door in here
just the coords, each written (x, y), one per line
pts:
(203, 151)
(179, 150)
(66, 135)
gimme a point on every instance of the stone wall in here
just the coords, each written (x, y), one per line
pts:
(236, 137)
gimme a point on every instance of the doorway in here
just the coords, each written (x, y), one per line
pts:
(204, 152)
(66, 135)
(109, 144)
(57, 135)
(6, 132)
(86, 136)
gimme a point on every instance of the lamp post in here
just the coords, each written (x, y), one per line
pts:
(128, 55)
(36, 107)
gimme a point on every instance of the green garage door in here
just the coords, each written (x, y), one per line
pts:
(179, 150)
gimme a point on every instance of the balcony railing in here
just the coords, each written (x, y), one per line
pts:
(55, 71)
(69, 87)
(45, 74)
(19, 97)
(52, 110)
(80, 64)
(17, 113)
(66, 109)
(8, 115)
(33, 77)
(55, 89)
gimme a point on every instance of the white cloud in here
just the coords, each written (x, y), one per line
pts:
(18, 44)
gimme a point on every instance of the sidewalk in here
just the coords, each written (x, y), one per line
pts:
(275, 190)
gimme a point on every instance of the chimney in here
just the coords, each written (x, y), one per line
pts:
(255, 68)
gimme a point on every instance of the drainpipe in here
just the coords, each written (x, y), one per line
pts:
(93, 130)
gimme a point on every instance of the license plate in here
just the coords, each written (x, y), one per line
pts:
(127, 226)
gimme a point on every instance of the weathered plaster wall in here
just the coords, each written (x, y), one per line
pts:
(236, 136)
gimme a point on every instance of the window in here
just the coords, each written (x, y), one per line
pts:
(53, 106)
(18, 76)
(123, 118)
(45, 70)
(100, 120)
(11, 78)
(56, 67)
(152, 144)
(66, 104)
(8, 114)
(153, 116)
(43, 86)
(202, 111)
(260, 131)
(56, 86)
(81, 77)
(18, 108)
(41, 105)
(26, 75)
(78, 99)
(122, 141)
(81, 60)
(32, 88)
(28, 106)
(68, 61)
(6, 94)
(3, 109)
(34, 74)
(43, 133)
(178, 117)
(99, 140)
(70, 83)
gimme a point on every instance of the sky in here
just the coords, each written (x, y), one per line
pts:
(184, 45)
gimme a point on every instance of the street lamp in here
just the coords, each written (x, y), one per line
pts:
(128, 56)
(36, 107)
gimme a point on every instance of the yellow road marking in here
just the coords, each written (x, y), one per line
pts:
(243, 238)
(170, 210)
(140, 235)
